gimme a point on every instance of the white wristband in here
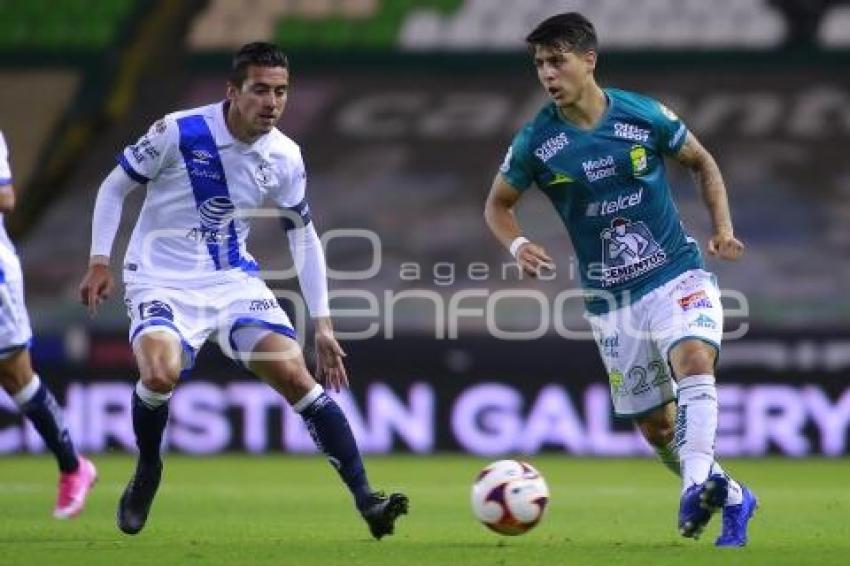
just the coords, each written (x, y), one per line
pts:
(515, 245)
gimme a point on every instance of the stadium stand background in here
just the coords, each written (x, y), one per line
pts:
(404, 110)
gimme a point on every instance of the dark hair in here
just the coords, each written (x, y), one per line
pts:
(570, 30)
(258, 53)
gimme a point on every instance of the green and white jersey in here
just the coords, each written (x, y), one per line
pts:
(609, 186)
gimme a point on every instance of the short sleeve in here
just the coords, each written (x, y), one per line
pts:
(670, 129)
(144, 160)
(290, 194)
(517, 168)
(5, 170)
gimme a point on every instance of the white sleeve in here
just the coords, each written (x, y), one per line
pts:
(5, 170)
(107, 210)
(304, 243)
(289, 193)
(143, 160)
(309, 261)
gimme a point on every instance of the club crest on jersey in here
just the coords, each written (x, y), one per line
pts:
(616, 379)
(155, 309)
(216, 212)
(637, 155)
(265, 175)
(628, 251)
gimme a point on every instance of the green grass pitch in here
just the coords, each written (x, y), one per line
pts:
(293, 510)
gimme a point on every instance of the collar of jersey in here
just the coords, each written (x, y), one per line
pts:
(223, 137)
(602, 119)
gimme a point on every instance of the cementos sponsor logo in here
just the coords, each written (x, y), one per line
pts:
(551, 147)
(596, 169)
(606, 207)
(630, 132)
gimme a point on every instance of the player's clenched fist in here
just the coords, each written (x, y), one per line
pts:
(533, 259)
(725, 246)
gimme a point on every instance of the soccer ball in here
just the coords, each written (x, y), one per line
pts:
(509, 497)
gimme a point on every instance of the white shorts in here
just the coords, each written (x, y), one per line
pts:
(635, 341)
(217, 311)
(15, 331)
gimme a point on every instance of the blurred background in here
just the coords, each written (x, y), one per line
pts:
(404, 110)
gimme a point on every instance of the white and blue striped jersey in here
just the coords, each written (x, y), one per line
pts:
(10, 266)
(202, 185)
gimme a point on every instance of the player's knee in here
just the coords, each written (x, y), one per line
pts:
(14, 375)
(13, 381)
(693, 359)
(160, 378)
(291, 372)
(289, 377)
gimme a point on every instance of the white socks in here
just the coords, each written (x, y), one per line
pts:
(308, 399)
(696, 427)
(28, 392)
(151, 398)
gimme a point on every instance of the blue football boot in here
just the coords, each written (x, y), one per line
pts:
(736, 519)
(699, 503)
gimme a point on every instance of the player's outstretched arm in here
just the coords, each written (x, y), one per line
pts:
(500, 217)
(98, 284)
(693, 155)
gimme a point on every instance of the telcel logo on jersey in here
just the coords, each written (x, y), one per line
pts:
(551, 147)
(630, 132)
(606, 207)
(596, 169)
